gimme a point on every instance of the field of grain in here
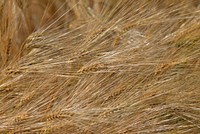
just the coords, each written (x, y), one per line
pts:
(99, 66)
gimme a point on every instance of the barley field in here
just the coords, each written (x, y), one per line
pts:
(99, 66)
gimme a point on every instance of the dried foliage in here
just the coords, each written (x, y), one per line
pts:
(100, 66)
